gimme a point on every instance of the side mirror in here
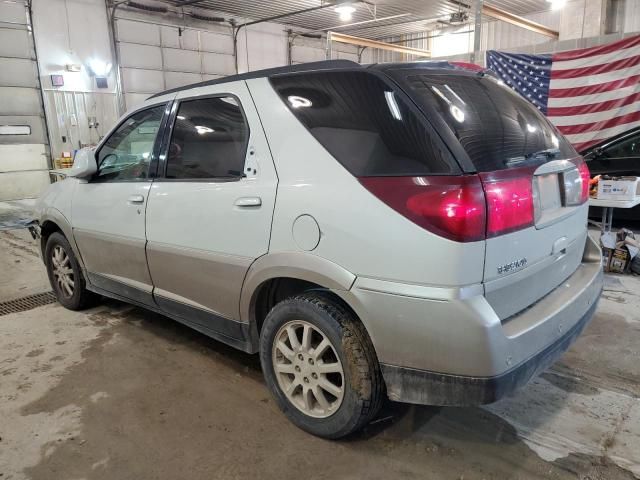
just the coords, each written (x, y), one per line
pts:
(84, 164)
(598, 152)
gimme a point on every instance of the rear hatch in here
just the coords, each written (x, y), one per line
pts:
(535, 184)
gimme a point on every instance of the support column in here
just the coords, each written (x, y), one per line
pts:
(477, 32)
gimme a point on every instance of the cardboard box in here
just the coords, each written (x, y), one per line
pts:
(621, 188)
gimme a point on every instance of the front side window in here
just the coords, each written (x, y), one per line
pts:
(364, 123)
(126, 154)
(209, 140)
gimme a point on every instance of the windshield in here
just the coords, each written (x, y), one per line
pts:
(497, 127)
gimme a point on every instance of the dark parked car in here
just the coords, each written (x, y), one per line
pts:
(617, 156)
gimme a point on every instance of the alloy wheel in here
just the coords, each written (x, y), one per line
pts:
(62, 271)
(308, 369)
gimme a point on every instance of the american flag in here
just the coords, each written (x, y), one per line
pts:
(589, 94)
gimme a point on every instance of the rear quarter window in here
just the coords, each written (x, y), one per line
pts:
(369, 127)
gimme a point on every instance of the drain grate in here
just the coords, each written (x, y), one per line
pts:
(26, 303)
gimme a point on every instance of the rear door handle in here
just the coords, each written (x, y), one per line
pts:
(248, 202)
(136, 199)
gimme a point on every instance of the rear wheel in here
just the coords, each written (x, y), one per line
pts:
(65, 274)
(320, 366)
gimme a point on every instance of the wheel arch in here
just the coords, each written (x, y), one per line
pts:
(279, 275)
(52, 220)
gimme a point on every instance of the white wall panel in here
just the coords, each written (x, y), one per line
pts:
(216, 42)
(137, 80)
(134, 100)
(140, 56)
(262, 46)
(178, 79)
(305, 53)
(20, 101)
(217, 64)
(631, 21)
(12, 12)
(175, 37)
(181, 60)
(138, 32)
(15, 43)
(18, 72)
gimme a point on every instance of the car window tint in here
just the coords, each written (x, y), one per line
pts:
(629, 147)
(498, 128)
(364, 124)
(126, 154)
(209, 139)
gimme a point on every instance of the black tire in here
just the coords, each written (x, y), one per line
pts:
(80, 298)
(362, 381)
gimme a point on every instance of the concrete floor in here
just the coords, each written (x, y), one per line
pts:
(120, 393)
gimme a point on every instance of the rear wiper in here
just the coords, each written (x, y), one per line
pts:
(549, 153)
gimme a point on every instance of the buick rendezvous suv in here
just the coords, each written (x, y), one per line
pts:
(415, 231)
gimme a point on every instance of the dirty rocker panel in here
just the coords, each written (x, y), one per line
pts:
(410, 385)
(231, 332)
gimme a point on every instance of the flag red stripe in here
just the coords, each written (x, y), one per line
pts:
(599, 88)
(592, 107)
(588, 52)
(596, 69)
(594, 127)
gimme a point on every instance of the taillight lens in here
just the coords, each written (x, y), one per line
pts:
(452, 207)
(509, 200)
(585, 175)
(464, 208)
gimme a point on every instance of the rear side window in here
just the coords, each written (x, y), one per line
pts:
(367, 126)
(209, 139)
(497, 127)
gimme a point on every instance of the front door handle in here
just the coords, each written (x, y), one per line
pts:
(248, 202)
(136, 199)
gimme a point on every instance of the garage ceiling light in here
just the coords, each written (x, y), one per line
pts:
(345, 12)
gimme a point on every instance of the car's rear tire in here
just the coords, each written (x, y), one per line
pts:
(65, 274)
(320, 365)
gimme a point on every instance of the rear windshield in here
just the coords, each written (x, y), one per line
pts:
(498, 128)
(365, 125)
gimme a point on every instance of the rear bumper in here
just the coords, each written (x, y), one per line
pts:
(422, 387)
(449, 346)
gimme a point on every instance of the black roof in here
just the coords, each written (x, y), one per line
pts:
(433, 66)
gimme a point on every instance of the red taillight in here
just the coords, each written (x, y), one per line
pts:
(452, 207)
(509, 200)
(585, 176)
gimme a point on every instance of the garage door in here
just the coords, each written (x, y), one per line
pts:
(23, 145)
(155, 57)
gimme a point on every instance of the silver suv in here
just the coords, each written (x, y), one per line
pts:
(416, 231)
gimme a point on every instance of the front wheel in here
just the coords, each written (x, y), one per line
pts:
(320, 366)
(65, 274)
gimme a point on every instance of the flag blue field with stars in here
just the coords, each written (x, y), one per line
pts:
(529, 75)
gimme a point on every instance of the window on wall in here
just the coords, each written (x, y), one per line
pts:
(209, 139)
(126, 154)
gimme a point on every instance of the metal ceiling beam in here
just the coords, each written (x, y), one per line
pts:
(519, 21)
(512, 18)
(365, 42)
